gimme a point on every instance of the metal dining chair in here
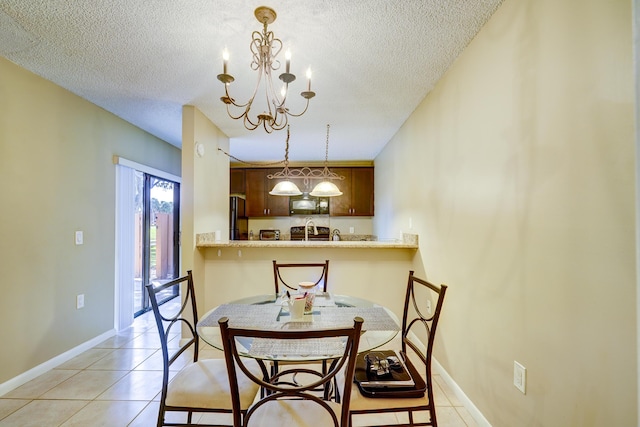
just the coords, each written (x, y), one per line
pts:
(285, 273)
(422, 308)
(319, 273)
(200, 386)
(289, 403)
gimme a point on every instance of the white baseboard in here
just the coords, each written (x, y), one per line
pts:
(27, 376)
(466, 402)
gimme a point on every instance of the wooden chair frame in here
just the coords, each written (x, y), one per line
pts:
(415, 317)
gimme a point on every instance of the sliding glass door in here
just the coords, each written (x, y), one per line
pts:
(156, 236)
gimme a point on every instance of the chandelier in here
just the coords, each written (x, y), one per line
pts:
(325, 188)
(265, 48)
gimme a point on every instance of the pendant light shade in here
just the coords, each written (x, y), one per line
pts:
(285, 188)
(326, 189)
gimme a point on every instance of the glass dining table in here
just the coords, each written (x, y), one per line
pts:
(270, 312)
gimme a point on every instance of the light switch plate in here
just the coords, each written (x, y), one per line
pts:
(79, 238)
(520, 377)
(79, 301)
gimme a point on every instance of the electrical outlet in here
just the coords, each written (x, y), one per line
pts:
(351, 230)
(520, 377)
(79, 301)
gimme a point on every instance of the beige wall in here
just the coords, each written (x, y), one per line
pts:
(521, 164)
(57, 176)
(205, 190)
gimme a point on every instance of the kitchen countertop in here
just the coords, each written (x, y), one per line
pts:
(409, 241)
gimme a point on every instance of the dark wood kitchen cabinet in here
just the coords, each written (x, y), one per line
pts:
(357, 189)
(259, 202)
(237, 181)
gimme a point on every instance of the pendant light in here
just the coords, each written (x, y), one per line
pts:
(326, 188)
(286, 187)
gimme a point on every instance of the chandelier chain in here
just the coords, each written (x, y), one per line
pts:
(326, 150)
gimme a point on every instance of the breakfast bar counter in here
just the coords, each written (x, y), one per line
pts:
(409, 241)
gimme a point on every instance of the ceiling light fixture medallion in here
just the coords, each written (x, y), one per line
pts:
(265, 48)
(325, 188)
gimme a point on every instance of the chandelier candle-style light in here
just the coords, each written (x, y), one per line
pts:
(265, 49)
(326, 188)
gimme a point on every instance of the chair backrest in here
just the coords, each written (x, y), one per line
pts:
(279, 386)
(422, 308)
(170, 321)
(311, 272)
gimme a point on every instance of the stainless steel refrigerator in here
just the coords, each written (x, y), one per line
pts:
(238, 221)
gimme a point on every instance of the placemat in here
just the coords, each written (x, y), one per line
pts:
(375, 318)
(320, 347)
(245, 316)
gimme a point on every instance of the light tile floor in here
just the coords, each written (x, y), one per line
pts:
(117, 383)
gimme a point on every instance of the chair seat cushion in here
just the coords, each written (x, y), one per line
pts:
(358, 402)
(205, 384)
(300, 413)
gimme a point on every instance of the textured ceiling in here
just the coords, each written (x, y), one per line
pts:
(372, 61)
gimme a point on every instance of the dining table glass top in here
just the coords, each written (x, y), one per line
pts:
(270, 312)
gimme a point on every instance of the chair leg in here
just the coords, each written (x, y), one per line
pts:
(432, 414)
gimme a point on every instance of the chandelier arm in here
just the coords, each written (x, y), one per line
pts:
(289, 113)
(276, 126)
(269, 91)
(247, 119)
(275, 49)
(255, 91)
(267, 129)
(231, 114)
(254, 46)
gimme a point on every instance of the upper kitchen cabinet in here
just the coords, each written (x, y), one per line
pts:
(357, 189)
(259, 202)
(237, 181)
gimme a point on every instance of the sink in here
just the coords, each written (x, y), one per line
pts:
(297, 233)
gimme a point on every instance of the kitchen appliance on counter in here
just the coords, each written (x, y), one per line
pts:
(308, 205)
(238, 221)
(297, 233)
(269, 234)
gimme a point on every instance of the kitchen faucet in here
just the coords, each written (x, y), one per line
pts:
(306, 229)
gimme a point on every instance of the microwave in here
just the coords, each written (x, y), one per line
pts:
(269, 234)
(308, 205)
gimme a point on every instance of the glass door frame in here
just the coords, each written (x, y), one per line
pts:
(149, 181)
